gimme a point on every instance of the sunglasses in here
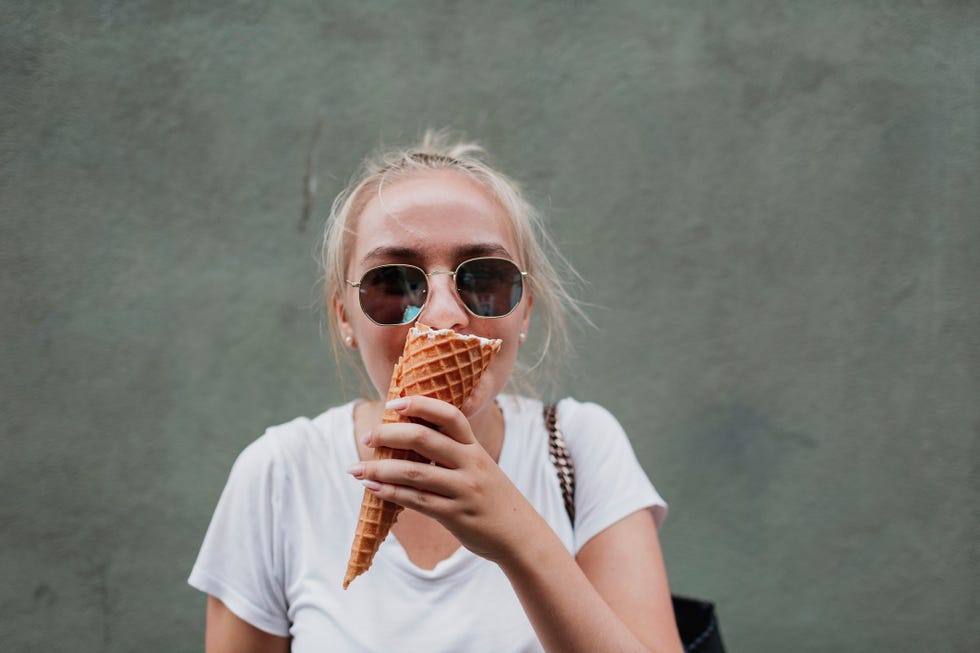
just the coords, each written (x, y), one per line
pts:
(391, 295)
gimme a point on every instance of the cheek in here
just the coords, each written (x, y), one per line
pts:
(502, 366)
(492, 382)
(505, 360)
(508, 331)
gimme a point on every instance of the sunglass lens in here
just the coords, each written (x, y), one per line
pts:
(393, 294)
(489, 287)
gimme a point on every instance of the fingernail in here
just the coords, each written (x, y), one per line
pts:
(397, 404)
(366, 439)
(374, 486)
(356, 470)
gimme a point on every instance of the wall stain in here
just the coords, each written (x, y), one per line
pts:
(736, 453)
(309, 177)
(97, 582)
(104, 603)
(44, 595)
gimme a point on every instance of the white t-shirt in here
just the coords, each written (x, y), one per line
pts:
(277, 547)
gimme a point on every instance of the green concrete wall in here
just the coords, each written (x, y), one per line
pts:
(775, 205)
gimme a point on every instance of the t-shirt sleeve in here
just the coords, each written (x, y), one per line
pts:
(240, 561)
(610, 484)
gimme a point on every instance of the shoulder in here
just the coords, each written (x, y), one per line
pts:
(610, 482)
(528, 408)
(587, 412)
(588, 429)
(576, 419)
(584, 423)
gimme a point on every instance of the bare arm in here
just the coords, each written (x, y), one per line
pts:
(614, 599)
(228, 633)
(625, 565)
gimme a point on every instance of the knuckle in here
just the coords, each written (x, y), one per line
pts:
(414, 474)
(472, 486)
(418, 437)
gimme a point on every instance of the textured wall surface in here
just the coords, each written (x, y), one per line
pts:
(775, 206)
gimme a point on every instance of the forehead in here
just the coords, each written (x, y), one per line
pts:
(436, 215)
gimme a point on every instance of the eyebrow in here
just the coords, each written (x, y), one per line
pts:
(399, 253)
(386, 252)
(482, 249)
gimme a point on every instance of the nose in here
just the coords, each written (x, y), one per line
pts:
(443, 308)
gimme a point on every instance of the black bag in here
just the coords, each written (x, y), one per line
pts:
(697, 624)
(696, 619)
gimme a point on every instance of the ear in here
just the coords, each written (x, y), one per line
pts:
(343, 324)
(526, 319)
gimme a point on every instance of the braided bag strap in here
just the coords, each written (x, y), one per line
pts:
(560, 458)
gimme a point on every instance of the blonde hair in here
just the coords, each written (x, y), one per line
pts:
(548, 271)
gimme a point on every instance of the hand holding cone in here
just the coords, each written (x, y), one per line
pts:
(436, 363)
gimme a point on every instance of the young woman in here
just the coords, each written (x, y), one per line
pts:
(485, 558)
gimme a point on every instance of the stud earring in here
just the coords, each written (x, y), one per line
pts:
(350, 341)
(522, 337)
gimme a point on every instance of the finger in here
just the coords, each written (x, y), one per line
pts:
(428, 443)
(428, 503)
(407, 473)
(440, 415)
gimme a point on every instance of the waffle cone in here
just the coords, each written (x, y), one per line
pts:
(441, 364)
